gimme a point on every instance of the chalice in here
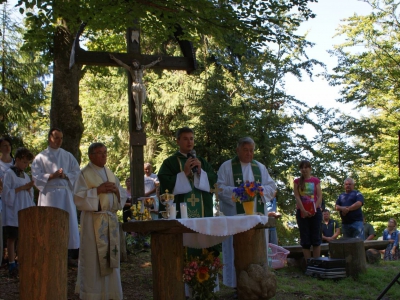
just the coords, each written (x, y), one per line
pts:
(166, 199)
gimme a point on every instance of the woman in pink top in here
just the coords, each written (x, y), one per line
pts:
(308, 194)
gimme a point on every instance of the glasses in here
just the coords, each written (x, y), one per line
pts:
(100, 153)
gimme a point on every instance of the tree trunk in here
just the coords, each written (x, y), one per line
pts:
(65, 112)
(43, 253)
(249, 248)
(167, 258)
(352, 250)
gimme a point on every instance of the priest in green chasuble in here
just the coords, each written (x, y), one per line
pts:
(231, 174)
(188, 177)
(98, 195)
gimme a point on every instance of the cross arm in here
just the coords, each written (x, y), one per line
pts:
(95, 58)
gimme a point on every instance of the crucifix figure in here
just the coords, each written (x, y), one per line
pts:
(187, 62)
(138, 88)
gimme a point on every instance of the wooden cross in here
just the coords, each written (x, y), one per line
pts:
(96, 58)
(193, 200)
(239, 181)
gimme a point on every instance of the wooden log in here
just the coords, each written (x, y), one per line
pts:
(167, 256)
(43, 253)
(249, 248)
(352, 250)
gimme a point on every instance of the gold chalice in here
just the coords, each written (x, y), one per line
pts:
(167, 199)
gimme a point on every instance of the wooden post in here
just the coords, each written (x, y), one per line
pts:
(249, 248)
(43, 253)
(352, 250)
(167, 258)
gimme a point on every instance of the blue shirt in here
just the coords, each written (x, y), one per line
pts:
(348, 199)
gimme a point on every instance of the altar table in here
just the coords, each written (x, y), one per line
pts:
(169, 236)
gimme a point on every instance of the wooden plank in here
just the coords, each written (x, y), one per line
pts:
(95, 58)
(297, 252)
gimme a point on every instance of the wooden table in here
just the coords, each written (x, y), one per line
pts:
(167, 252)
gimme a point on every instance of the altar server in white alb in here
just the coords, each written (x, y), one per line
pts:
(231, 174)
(54, 172)
(17, 194)
(99, 195)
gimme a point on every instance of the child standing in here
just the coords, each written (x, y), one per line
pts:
(17, 194)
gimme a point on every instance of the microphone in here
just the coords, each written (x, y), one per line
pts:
(192, 153)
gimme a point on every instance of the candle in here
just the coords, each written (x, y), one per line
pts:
(172, 211)
(184, 210)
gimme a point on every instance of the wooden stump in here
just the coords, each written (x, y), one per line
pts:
(167, 258)
(250, 248)
(352, 250)
(43, 253)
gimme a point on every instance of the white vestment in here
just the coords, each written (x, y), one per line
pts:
(58, 192)
(13, 202)
(228, 207)
(3, 168)
(90, 284)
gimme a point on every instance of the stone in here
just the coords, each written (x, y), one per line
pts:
(373, 256)
(256, 282)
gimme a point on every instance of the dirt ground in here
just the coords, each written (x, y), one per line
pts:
(136, 279)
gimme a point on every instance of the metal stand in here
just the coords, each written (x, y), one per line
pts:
(395, 279)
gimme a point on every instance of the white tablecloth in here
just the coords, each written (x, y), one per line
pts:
(213, 230)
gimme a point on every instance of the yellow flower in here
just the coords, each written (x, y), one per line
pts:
(202, 274)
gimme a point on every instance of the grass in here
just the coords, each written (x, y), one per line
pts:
(294, 284)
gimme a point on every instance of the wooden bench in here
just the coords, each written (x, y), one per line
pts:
(297, 252)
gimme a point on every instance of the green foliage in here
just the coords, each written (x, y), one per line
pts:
(22, 79)
(370, 79)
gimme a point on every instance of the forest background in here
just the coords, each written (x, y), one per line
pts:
(244, 51)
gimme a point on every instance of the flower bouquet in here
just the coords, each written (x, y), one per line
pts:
(200, 274)
(246, 193)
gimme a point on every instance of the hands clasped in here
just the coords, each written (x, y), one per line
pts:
(58, 174)
(28, 185)
(107, 187)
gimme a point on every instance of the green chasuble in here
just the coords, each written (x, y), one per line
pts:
(238, 179)
(199, 203)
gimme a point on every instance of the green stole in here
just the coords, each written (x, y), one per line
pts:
(238, 179)
(194, 199)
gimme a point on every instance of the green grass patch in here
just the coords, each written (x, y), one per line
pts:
(294, 284)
